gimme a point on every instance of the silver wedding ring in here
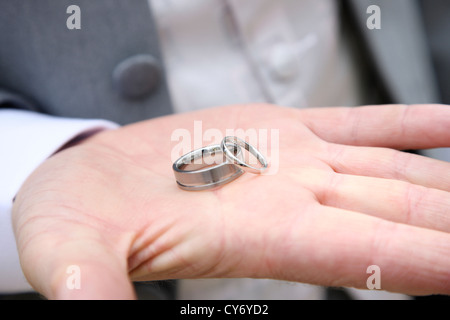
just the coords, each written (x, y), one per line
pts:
(194, 174)
(235, 141)
(195, 177)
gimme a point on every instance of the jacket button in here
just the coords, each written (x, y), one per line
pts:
(136, 77)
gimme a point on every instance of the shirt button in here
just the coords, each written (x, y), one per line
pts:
(283, 62)
(136, 77)
(284, 58)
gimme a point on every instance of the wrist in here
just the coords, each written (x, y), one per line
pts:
(82, 138)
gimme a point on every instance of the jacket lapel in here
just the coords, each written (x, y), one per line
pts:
(399, 49)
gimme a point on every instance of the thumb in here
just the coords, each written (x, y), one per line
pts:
(78, 264)
(90, 273)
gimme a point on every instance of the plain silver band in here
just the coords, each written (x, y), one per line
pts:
(206, 178)
(243, 144)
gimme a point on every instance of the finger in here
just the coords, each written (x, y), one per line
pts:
(393, 126)
(393, 200)
(71, 262)
(389, 164)
(335, 247)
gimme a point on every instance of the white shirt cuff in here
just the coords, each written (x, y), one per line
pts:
(26, 140)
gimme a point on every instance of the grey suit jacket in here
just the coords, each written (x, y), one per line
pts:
(70, 72)
(92, 72)
(84, 73)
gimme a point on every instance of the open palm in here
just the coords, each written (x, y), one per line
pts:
(341, 200)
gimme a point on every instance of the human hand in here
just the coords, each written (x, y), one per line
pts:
(340, 202)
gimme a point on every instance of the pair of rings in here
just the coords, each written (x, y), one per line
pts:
(198, 176)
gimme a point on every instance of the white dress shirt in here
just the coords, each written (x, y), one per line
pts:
(287, 52)
(216, 52)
